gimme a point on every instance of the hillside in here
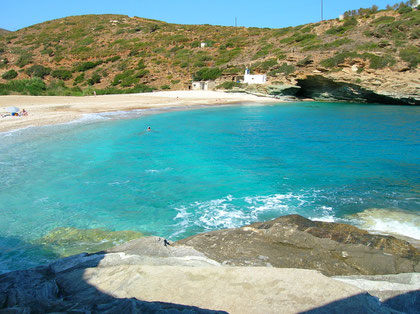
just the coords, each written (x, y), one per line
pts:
(4, 31)
(370, 51)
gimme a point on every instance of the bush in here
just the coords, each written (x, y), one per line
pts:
(376, 62)
(24, 59)
(337, 59)
(113, 59)
(265, 65)
(207, 74)
(33, 86)
(404, 9)
(163, 87)
(84, 66)
(95, 79)
(9, 75)
(62, 74)
(411, 55)
(383, 20)
(229, 85)
(140, 88)
(38, 71)
(79, 79)
(285, 68)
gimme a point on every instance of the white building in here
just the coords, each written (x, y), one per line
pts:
(203, 85)
(203, 45)
(254, 79)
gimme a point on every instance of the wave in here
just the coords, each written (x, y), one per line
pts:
(388, 221)
(233, 212)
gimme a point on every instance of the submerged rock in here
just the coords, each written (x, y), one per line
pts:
(296, 242)
(69, 241)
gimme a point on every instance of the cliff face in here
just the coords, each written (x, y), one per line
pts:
(372, 57)
(329, 88)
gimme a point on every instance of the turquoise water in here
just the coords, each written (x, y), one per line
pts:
(207, 169)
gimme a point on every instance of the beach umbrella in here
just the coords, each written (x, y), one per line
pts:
(12, 109)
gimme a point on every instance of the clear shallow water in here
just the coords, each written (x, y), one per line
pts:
(206, 169)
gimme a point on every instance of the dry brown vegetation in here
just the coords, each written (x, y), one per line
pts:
(115, 52)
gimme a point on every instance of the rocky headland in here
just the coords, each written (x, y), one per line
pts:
(288, 265)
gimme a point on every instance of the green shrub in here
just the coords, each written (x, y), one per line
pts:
(227, 55)
(163, 87)
(84, 66)
(141, 73)
(62, 74)
(375, 62)
(140, 88)
(9, 75)
(265, 65)
(337, 59)
(121, 76)
(379, 62)
(141, 65)
(38, 71)
(336, 30)
(195, 44)
(304, 62)
(350, 22)
(285, 69)
(337, 43)
(95, 79)
(24, 59)
(113, 59)
(411, 55)
(79, 79)
(34, 86)
(404, 9)
(229, 85)
(383, 20)
(207, 74)
(199, 64)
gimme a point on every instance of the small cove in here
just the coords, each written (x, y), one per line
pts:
(206, 169)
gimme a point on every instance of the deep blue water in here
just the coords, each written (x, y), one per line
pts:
(207, 169)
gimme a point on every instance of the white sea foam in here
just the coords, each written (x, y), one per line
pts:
(154, 171)
(231, 212)
(118, 182)
(389, 221)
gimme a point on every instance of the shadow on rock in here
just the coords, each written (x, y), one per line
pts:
(62, 287)
(405, 303)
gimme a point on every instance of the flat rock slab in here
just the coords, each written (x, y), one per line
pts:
(296, 242)
(231, 289)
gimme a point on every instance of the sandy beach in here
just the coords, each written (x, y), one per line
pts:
(45, 110)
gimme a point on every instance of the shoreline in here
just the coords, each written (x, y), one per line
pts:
(50, 110)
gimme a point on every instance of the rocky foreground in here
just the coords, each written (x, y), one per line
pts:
(253, 269)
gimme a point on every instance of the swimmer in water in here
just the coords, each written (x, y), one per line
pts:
(148, 129)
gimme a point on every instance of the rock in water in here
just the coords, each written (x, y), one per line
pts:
(296, 242)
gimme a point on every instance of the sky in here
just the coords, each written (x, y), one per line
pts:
(17, 14)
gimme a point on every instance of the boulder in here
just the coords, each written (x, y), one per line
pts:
(296, 242)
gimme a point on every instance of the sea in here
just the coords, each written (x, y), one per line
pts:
(104, 179)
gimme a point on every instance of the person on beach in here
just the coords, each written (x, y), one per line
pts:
(24, 112)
